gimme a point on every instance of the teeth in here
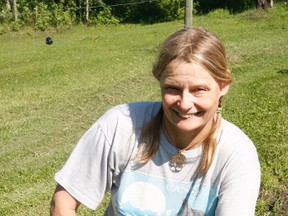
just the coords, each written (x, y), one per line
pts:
(186, 115)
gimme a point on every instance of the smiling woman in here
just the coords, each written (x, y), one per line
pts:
(192, 64)
(174, 157)
(190, 98)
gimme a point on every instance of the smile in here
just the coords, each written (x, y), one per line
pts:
(186, 115)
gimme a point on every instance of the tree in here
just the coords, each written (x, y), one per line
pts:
(263, 4)
(7, 6)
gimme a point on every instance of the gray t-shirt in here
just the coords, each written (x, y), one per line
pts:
(104, 160)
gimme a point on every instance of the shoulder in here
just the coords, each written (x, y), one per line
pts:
(232, 136)
(131, 114)
(235, 146)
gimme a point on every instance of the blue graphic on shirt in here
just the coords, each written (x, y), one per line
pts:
(142, 194)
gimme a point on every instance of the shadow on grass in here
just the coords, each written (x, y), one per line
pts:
(283, 71)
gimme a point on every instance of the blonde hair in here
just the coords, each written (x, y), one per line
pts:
(195, 45)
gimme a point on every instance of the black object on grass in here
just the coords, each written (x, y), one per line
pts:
(49, 40)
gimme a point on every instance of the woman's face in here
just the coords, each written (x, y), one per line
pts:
(190, 96)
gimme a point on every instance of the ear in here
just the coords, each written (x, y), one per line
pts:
(225, 84)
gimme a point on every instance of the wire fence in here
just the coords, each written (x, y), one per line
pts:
(125, 4)
(10, 15)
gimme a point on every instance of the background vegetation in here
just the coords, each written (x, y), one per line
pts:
(62, 14)
(51, 94)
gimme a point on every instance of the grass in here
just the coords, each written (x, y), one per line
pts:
(50, 95)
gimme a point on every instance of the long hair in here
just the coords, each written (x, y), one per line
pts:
(195, 45)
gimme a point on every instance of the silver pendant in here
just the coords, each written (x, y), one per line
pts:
(177, 162)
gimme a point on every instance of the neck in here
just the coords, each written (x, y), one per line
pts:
(185, 140)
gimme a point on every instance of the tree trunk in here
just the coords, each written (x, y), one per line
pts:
(15, 15)
(262, 4)
(7, 6)
(36, 10)
(271, 3)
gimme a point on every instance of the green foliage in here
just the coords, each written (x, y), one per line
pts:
(61, 17)
(66, 12)
(28, 15)
(104, 17)
(41, 16)
(148, 12)
(205, 6)
(59, 14)
(5, 16)
(219, 13)
(43, 19)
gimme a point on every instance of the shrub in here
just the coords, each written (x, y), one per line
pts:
(102, 15)
(219, 13)
(62, 17)
(43, 17)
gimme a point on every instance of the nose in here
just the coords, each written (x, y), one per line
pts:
(186, 101)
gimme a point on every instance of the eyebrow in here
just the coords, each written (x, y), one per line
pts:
(173, 82)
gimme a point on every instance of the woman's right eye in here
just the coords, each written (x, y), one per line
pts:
(172, 89)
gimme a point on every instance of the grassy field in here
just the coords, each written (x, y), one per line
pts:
(50, 95)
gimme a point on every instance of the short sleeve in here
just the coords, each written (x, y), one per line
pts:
(96, 164)
(86, 173)
(238, 197)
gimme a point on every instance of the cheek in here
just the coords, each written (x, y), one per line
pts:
(213, 102)
(208, 102)
(168, 100)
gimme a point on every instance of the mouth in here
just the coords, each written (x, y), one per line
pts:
(187, 116)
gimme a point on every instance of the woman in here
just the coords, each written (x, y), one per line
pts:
(175, 157)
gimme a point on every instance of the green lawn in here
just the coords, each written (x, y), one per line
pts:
(50, 95)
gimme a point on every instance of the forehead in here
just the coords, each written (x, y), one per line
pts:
(181, 71)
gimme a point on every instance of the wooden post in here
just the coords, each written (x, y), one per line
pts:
(87, 11)
(15, 15)
(188, 14)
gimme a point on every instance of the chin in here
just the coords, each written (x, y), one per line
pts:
(188, 125)
(189, 129)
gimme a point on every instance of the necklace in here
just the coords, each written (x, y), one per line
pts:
(177, 161)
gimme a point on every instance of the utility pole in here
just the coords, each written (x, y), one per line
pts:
(188, 14)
